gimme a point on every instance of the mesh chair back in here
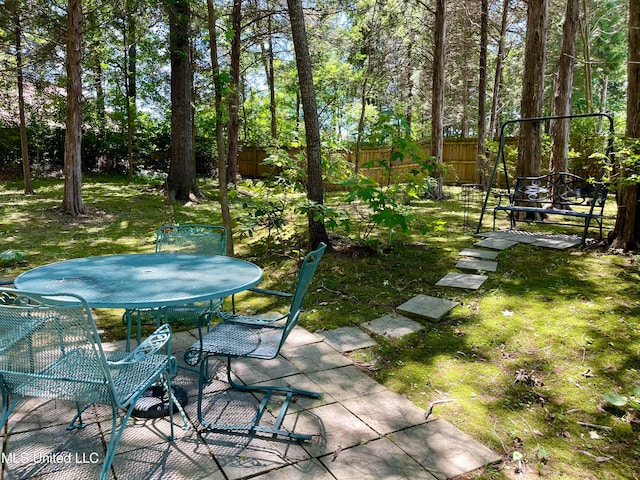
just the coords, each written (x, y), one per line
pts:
(51, 350)
(307, 271)
(195, 239)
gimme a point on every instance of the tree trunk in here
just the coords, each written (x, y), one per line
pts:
(363, 111)
(586, 51)
(559, 161)
(437, 106)
(24, 145)
(234, 114)
(130, 61)
(218, 105)
(181, 181)
(530, 141)
(626, 233)
(482, 168)
(267, 54)
(494, 128)
(72, 196)
(315, 189)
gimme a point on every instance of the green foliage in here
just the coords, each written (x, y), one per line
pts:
(372, 205)
(628, 156)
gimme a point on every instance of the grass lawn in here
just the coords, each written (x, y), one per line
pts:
(523, 361)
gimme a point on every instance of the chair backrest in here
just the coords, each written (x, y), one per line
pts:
(307, 271)
(51, 349)
(192, 238)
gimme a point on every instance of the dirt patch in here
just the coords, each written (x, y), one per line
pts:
(347, 248)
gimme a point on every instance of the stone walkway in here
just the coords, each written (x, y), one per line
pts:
(361, 430)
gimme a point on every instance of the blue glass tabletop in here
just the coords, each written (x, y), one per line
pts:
(143, 280)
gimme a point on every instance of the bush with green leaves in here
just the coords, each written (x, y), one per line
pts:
(371, 205)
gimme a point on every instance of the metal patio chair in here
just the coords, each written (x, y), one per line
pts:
(246, 336)
(192, 239)
(50, 349)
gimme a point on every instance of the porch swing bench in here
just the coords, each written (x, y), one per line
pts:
(574, 200)
(560, 198)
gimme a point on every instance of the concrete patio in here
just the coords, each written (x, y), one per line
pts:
(361, 430)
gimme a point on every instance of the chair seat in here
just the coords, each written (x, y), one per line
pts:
(237, 340)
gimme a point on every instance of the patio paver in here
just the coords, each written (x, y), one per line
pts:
(379, 459)
(476, 264)
(462, 280)
(425, 306)
(348, 339)
(496, 243)
(392, 326)
(443, 450)
(476, 253)
(557, 243)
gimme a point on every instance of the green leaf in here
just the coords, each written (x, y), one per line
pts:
(615, 399)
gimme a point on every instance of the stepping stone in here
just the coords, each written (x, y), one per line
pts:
(496, 243)
(557, 243)
(484, 254)
(462, 280)
(347, 339)
(424, 306)
(393, 326)
(475, 264)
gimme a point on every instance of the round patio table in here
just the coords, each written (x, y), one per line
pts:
(143, 281)
(136, 281)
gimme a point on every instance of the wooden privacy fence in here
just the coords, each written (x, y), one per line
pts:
(459, 157)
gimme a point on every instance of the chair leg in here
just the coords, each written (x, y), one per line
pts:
(77, 422)
(7, 408)
(255, 426)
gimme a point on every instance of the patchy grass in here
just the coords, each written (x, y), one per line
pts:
(524, 360)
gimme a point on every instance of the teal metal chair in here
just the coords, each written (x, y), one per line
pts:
(189, 238)
(50, 348)
(246, 336)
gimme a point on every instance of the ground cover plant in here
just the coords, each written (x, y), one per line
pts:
(523, 365)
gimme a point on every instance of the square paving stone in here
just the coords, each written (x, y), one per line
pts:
(258, 370)
(348, 339)
(244, 456)
(334, 428)
(386, 411)
(495, 243)
(310, 469)
(346, 383)
(393, 326)
(179, 459)
(462, 280)
(557, 243)
(478, 265)
(443, 449)
(376, 460)
(519, 236)
(424, 306)
(484, 254)
(314, 357)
